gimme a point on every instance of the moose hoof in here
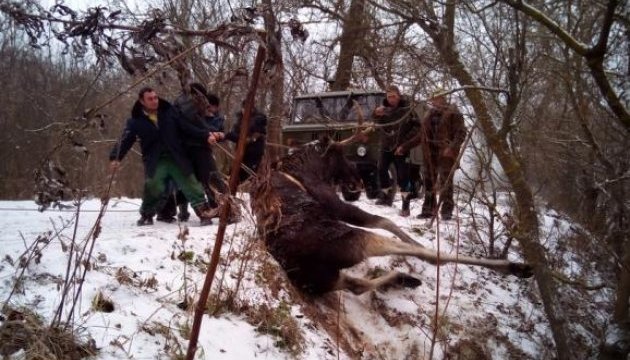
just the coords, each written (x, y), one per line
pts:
(521, 270)
(408, 281)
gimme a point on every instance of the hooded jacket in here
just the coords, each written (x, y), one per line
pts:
(155, 139)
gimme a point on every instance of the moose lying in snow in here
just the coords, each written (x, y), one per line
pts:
(305, 225)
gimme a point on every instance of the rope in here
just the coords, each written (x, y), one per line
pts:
(269, 143)
(229, 153)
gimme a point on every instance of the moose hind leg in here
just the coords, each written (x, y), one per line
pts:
(360, 285)
(377, 245)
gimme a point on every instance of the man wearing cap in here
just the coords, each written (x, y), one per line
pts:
(442, 132)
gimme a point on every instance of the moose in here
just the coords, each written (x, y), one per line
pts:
(307, 227)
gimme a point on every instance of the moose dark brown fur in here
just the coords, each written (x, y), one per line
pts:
(305, 225)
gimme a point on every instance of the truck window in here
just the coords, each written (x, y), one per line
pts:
(319, 110)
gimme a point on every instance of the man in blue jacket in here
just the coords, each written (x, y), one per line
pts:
(152, 122)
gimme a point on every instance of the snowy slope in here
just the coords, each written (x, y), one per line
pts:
(147, 271)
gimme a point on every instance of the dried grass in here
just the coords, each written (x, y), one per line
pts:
(24, 330)
(279, 323)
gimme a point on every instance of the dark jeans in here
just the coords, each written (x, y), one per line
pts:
(404, 178)
(174, 198)
(254, 152)
(436, 171)
(206, 172)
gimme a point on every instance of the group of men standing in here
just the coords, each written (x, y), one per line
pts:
(175, 141)
(440, 133)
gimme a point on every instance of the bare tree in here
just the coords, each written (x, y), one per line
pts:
(594, 55)
(349, 43)
(440, 30)
(274, 68)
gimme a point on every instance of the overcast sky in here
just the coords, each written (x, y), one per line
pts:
(84, 4)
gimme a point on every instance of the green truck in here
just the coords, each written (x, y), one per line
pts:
(334, 114)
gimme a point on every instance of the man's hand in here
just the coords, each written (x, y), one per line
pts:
(379, 111)
(114, 165)
(399, 151)
(449, 153)
(215, 137)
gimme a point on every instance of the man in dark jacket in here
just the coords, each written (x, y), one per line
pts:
(162, 154)
(441, 135)
(202, 125)
(256, 140)
(402, 124)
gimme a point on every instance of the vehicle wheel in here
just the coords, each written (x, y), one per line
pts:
(350, 195)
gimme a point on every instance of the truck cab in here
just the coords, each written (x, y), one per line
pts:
(334, 114)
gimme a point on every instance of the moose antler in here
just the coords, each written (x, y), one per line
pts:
(359, 134)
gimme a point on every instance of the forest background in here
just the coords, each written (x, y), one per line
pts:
(544, 86)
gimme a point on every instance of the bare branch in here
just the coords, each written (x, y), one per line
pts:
(594, 56)
(553, 26)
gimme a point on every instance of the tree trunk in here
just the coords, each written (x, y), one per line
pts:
(616, 344)
(275, 68)
(348, 44)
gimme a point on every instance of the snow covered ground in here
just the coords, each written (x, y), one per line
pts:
(148, 272)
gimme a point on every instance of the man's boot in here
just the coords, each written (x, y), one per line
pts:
(446, 216)
(166, 219)
(204, 213)
(233, 217)
(168, 210)
(235, 212)
(145, 220)
(406, 200)
(182, 206)
(386, 196)
(183, 214)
